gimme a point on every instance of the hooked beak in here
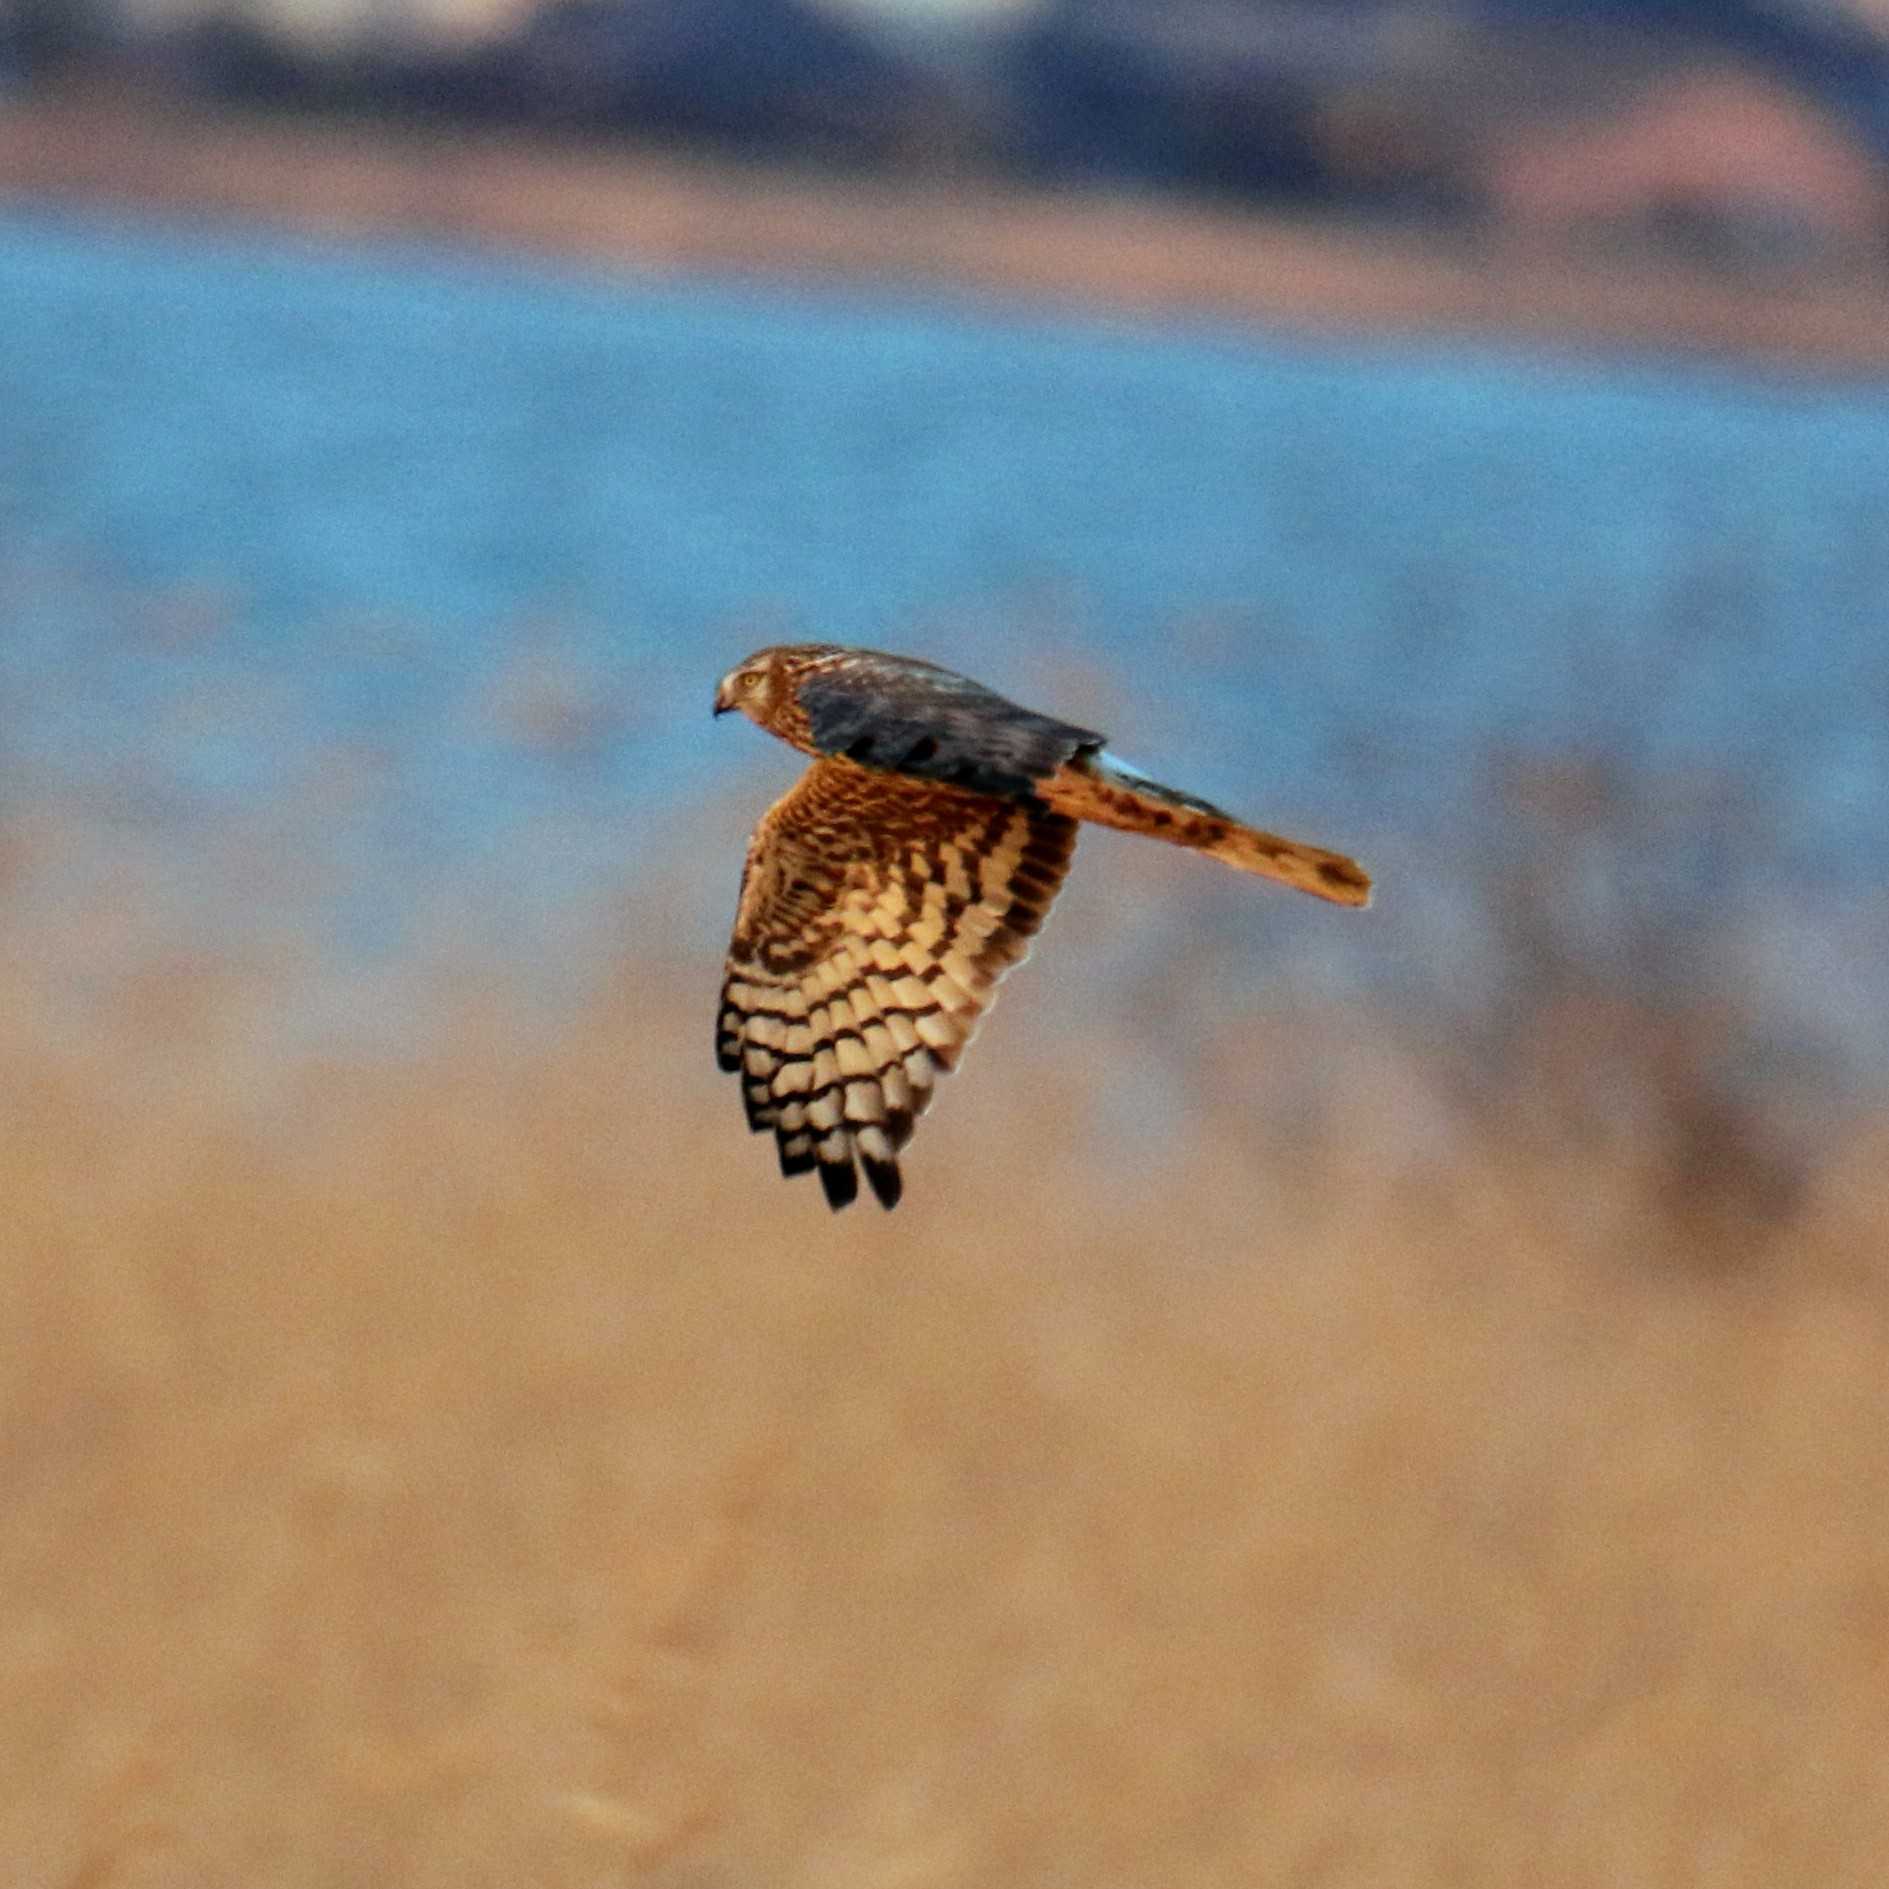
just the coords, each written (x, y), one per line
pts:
(724, 695)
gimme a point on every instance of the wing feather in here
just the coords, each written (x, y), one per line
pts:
(877, 915)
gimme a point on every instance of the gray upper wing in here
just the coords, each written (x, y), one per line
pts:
(907, 717)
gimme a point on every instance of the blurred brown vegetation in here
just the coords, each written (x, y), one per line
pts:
(653, 210)
(482, 1469)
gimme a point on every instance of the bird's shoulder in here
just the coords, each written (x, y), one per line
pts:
(903, 716)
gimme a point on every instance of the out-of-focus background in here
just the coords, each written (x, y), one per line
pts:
(1348, 1400)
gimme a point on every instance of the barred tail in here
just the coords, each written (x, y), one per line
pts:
(1096, 786)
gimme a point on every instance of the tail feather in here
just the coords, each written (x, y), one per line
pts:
(1096, 786)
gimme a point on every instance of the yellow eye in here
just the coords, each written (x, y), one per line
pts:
(751, 681)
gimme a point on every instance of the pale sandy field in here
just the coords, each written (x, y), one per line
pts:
(483, 1470)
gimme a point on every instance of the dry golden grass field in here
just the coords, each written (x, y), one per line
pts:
(482, 1470)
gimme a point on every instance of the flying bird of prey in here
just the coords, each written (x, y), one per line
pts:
(899, 878)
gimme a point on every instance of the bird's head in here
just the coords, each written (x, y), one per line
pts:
(764, 687)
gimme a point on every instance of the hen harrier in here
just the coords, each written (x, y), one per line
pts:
(886, 893)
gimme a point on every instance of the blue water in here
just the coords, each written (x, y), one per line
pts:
(413, 573)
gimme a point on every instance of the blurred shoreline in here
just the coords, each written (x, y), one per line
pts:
(657, 211)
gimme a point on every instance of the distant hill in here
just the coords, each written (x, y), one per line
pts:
(1410, 108)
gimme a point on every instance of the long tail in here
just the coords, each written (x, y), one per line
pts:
(1096, 786)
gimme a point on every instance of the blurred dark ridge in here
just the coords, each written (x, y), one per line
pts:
(1744, 135)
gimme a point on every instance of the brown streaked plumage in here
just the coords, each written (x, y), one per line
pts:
(887, 892)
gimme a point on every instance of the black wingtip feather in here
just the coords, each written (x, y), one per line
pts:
(841, 1181)
(884, 1178)
(795, 1160)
